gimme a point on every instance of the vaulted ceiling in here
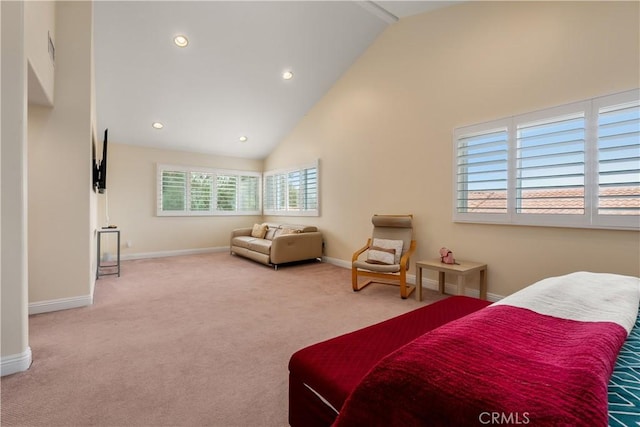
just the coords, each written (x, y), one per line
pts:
(227, 84)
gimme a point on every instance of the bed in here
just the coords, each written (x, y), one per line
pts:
(544, 355)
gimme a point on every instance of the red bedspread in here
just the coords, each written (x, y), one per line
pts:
(502, 365)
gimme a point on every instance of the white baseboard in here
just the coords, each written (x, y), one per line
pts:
(338, 262)
(178, 252)
(60, 304)
(449, 288)
(15, 362)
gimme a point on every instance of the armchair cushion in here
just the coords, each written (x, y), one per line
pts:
(379, 268)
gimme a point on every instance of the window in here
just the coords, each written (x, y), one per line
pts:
(292, 192)
(201, 191)
(226, 193)
(618, 160)
(482, 171)
(577, 165)
(550, 165)
(174, 191)
(186, 191)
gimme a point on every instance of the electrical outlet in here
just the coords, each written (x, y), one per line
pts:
(129, 243)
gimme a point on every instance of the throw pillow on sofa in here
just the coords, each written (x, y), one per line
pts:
(287, 230)
(259, 230)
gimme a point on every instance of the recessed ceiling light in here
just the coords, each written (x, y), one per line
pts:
(181, 41)
(287, 75)
(157, 125)
(243, 138)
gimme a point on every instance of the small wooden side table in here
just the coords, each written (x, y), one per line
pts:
(462, 270)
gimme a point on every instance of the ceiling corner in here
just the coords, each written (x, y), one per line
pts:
(379, 11)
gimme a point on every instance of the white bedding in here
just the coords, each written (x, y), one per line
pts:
(583, 296)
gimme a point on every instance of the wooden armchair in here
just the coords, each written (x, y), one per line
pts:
(388, 252)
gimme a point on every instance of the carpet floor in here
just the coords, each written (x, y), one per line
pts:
(199, 340)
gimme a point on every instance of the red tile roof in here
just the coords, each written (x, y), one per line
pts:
(622, 200)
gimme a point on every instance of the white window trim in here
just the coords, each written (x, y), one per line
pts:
(591, 218)
(160, 167)
(287, 211)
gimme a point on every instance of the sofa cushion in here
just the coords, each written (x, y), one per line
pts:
(262, 246)
(271, 232)
(242, 241)
(287, 230)
(300, 227)
(283, 229)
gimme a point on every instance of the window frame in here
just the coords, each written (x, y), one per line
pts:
(591, 217)
(286, 209)
(213, 202)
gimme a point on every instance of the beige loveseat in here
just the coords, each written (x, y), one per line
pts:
(281, 243)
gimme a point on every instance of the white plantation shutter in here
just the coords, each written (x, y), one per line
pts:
(201, 191)
(269, 201)
(275, 192)
(310, 190)
(481, 177)
(575, 165)
(249, 194)
(173, 191)
(294, 186)
(185, 191)
(619, 159)
(226, 192)
(291, 192)
(551, 166)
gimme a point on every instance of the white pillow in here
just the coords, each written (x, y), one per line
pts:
(378, 255)
(390, 244)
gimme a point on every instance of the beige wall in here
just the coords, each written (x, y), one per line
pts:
(384, 131)
(131, 200)
(93, 198)
(40, 24)
(61, 236)
(16, 355)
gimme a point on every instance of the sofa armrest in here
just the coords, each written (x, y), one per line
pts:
(241, 232)
(238, 232)
(296, 247)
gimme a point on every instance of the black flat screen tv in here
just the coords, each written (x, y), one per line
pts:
(100, 167)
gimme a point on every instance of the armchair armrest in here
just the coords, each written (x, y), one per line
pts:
(404, 260)
(357, 253)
